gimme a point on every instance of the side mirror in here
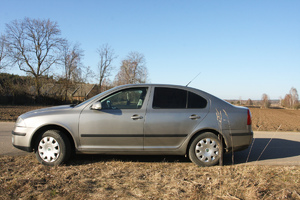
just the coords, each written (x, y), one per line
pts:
(96, 106)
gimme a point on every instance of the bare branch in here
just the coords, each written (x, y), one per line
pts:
(3, 53)
(107, 55)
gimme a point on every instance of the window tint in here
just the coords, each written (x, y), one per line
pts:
(196, 101)
(176, 98)
(169, 98)
(125, 99)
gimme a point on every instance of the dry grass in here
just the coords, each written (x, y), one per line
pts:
(105, 178)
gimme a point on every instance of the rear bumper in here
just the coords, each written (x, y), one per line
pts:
(240, 141)
(241, 134)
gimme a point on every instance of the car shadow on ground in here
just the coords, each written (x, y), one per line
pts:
(265, 149)
(262, 149)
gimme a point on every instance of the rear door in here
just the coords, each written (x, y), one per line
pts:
(172, 114)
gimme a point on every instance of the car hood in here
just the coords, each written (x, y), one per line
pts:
(47, 111)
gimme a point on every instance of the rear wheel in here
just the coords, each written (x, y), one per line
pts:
(52, 148)
(205, 150)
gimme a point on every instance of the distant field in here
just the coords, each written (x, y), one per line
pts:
(262, 119)
(275, 119)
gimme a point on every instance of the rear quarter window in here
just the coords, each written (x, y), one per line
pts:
(196, 101)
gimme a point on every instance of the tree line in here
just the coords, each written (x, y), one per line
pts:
(35, 46)
(291, 100)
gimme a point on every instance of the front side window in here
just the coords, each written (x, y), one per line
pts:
(126, 99)
(171, 98)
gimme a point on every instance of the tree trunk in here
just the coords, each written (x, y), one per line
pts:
(37, 87)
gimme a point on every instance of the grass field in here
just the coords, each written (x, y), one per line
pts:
(102, 178)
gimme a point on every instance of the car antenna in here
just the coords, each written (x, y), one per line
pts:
(193, 79)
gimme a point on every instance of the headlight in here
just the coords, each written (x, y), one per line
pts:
(20, 122)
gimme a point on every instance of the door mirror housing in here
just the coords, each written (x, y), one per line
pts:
(96, 106)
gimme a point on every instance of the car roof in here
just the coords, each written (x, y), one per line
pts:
(155, 85)
(162, 85)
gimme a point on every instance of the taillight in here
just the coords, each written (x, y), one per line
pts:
(249, 121)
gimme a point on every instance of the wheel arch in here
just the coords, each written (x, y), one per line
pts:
(217, 133)
(52, 127)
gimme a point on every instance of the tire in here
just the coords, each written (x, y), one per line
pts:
(205, 150)
(52, 148)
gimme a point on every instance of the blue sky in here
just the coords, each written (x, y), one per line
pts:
(242, 48)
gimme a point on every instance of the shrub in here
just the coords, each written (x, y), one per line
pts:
(265, 102)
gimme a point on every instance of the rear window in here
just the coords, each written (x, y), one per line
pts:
(172, 98)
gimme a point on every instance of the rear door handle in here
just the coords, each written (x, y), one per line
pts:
(194, 117)
(135, 117)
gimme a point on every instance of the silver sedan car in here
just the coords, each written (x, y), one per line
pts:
(140, 119)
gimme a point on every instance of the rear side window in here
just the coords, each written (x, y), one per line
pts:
(196, 101)
(168, 98)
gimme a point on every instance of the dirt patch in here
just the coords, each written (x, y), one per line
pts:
(11, 113)
(275, 119)
(24, 178)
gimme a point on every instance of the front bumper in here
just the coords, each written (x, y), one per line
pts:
(28, 149)
(21, 138)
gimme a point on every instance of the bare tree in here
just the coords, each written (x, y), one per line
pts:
(265, 102)
(287, 101)
(291, 100)
(71, 62)
(3, 52)
(249, 102)
(132, 70)
(294, 97)
(107, 55)
(34, 46)
(107, 84)
(85, 74)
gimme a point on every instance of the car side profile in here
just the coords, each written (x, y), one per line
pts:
(138, 119)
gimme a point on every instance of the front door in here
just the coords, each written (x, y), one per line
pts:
(118, 125)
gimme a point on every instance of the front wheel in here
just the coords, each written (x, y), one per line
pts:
(205, 150)
(52, 148)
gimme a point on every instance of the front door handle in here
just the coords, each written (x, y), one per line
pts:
(194, 117)
(135, 117)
